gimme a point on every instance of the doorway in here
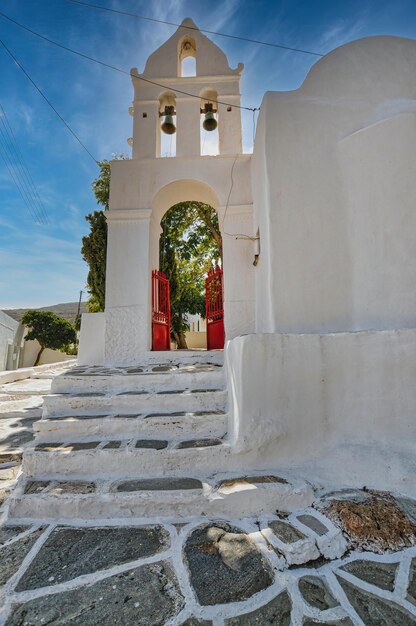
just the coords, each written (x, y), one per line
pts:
(190, 262)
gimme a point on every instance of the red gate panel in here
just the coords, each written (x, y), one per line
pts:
(160, 311)
(214, 301)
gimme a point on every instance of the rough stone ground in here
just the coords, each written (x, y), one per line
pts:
(348, 560)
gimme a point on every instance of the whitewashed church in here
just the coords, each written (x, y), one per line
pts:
(316, 382)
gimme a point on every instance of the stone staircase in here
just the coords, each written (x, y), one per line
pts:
(143, 442)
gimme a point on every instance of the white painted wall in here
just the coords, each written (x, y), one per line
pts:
(31, 349)
(334, 187)
(8, 331)
(91, 339)
(337, 408)
(141, 193)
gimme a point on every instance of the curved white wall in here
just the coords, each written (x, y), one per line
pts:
(334, 186)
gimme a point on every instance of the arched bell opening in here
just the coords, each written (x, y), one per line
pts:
(186, 249)
(209, 123)
(187, 57)
(167, 130)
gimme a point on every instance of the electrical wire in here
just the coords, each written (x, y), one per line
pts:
(202, 30)
(10, 160)
(117, 69)
(10, 53)
(40, 213)
(22, 191)
(236, 235)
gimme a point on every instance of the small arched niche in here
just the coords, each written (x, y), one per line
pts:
(187, 57)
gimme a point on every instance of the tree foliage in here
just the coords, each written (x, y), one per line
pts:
(94, 245)
(189, 245)
(101, 185)
(94, 252)
(50, 330)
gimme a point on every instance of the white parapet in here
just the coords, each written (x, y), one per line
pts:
(91, 340)
(338, 408)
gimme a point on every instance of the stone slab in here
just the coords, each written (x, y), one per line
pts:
(381, 575)
(145, 596)
(373, 610)
(275, 613)
(9, 532)
(286, 532)
(316, 593)
(72, 552)
(72, 486)
(112, 445)
(313, 523)
(157, 484)
(154, 444)
(36, 486)
(346, 621)
(81, 445)
(225, 565)
(199, 443)
(411, 590)
(251, 480)
(12, 555)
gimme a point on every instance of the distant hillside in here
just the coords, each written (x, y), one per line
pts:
(68, 310)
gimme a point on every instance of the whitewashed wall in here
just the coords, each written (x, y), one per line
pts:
(336, 408)
(334, 191)
(334, 187)
(8, 330)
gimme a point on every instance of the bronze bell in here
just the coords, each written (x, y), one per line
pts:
(168, 125)
(209, 123)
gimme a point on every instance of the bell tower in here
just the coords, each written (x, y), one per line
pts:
(195, 110)
(167, 101)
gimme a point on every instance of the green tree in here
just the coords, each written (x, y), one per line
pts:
(51, 330)
(101, 185)
(94, 245)
(189, 245)
(94, 252)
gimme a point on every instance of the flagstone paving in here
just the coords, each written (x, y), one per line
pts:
(348, 560)
(190, 574)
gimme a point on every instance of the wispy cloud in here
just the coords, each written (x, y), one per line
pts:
(341, 32)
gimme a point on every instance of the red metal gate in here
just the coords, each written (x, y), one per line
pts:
(214, 309)
(160, 311)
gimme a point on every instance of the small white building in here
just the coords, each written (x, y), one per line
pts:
(10, 343)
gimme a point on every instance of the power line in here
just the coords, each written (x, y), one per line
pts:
(16, 173)
(10, 53)
(202, 30)
(40, 211)
(13, 173)
(117, 69)
(11, 155)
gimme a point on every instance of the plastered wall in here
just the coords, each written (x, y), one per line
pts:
(334, 187)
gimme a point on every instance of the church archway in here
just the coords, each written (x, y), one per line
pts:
(186, 245)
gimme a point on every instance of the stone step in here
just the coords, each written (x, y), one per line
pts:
(145, 378)
(126, 457)
(179, 424)
(90, 403)
(173, 497)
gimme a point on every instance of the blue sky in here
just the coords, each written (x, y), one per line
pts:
(42, 264)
